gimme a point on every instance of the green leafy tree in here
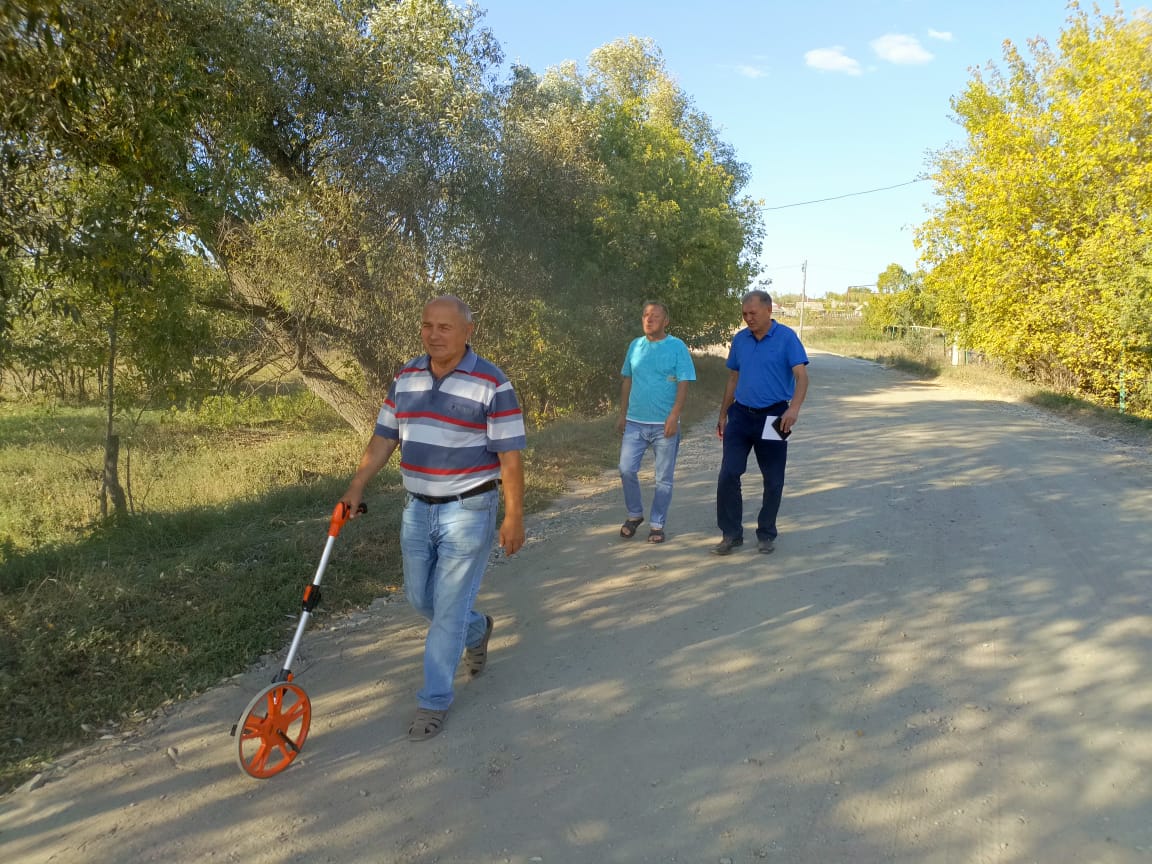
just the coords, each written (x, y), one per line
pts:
(336, 164)
(900, 301)
(1033, 252)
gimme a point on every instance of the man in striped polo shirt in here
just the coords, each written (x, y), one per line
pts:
(458, 424)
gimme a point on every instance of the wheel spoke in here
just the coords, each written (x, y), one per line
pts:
(260, 760)
(294, 713)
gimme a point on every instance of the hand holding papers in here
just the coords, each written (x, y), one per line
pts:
(773, 431)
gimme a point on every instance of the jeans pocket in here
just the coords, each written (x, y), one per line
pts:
(479, 503)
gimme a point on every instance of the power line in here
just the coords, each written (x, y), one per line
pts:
(848, 195)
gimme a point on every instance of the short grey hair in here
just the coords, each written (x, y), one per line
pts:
(649, 303)
(758, 294)
(463, 308)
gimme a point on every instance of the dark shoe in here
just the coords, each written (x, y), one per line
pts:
(656, 535)
(426, 724)
(727, 545)
(475, 659)
(628, 529)
(766, 546)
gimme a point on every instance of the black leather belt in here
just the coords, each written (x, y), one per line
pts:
(447, 499)
(751, 410)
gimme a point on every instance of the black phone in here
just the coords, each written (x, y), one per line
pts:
(780, 429)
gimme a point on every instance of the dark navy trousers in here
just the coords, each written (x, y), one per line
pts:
(742, 435)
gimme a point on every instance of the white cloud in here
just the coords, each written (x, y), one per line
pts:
(900, 49)
(751, 71)
(832, 60)
(942, 35)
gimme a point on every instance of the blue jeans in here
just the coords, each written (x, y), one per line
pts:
(638, 437)
(445, 549)
(741, 435)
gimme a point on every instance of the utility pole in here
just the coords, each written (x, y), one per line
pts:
(803, 296)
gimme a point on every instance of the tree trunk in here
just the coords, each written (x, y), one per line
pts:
(111, 485)
(357, 411)
(291, 337)
(112, 478)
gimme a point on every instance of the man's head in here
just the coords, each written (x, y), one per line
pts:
(445, 329)
(655, 320)
(757, 311)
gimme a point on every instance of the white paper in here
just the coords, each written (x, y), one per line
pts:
(770, 433)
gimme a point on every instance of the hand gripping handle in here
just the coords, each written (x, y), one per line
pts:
(342, 514)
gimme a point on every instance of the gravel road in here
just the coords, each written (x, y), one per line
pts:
(945, 660)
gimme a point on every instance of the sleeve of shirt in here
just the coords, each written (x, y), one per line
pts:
(797, 356)
(733, 361)
(387, 426)
(685, 368)
(506, 421)
(626, 369)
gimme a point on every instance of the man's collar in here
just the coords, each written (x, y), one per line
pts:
(467, 362)
(767, 333)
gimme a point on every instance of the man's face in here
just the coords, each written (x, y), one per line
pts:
(757, 315)
(655, 321)
(444, 332)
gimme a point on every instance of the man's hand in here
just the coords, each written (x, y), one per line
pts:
(788, 418)
(512, 535)
(721, 424)
(671, 427)
(353, 498)
(620, 424)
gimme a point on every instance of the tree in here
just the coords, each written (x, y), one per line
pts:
(1033, 252)
(337, 164)
(900, 301)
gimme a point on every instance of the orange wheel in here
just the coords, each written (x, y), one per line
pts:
(272, 729)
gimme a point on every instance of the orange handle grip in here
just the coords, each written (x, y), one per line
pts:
(342, 514)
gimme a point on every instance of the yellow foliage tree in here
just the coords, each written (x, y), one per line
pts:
(1038, 252)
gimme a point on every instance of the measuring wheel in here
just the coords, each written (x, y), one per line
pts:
(271, 731)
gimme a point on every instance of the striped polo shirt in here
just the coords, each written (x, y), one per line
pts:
(451, 430)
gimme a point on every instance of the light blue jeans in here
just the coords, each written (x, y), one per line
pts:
(638, 437)
(445, 549)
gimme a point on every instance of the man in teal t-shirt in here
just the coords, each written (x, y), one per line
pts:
(656, 372)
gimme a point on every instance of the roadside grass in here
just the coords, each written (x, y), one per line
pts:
(102, 623)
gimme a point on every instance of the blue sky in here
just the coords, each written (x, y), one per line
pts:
(821, 98)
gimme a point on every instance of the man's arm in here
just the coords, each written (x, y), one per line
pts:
(512, 477)
(672, 423)
(376, 456)
(625, 394)
(789, 418)
(729, 398)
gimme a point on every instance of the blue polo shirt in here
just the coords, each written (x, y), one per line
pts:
(765, 365)
(450, 430)
(656, 369)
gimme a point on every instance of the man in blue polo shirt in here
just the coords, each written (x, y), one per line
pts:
(458, 424)
(767, 382)
(656, 371)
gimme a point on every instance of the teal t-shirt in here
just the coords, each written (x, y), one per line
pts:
(656, 368)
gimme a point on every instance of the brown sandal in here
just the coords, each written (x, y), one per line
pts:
(628, 529)
(656, 535)
(475, 659)
(426, 724)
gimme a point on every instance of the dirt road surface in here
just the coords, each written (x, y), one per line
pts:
(947, 659)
